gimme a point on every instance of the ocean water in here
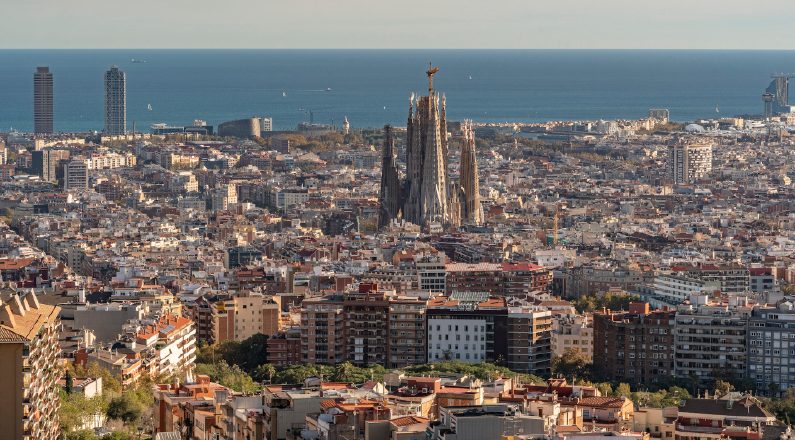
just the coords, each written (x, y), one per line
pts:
(372, 87)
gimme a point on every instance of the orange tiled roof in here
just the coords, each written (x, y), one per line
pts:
(15, 263)
(408, 421)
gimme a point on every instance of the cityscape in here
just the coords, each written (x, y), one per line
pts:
(439, 278)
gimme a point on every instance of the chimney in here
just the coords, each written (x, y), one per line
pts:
(32, 300)
(16, 306)
(7, 316)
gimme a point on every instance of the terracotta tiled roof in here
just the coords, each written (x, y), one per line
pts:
(408, 421)
(9, 336)
(609, 402)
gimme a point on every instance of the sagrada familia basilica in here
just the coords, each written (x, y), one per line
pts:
(427, 196)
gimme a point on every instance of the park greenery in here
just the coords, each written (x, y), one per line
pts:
(128, 411)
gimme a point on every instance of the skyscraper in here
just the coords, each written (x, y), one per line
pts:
(42, 100)
(115, 101)
(779, 89)
(428, 196)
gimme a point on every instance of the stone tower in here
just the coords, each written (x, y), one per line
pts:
(389, 196)
(471, 211)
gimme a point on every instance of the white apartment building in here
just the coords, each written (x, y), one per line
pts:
(173, 339)
(431, 273)
(672, 289)
(108, 161)
(457, 338)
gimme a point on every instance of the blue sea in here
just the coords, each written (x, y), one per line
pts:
(372, 87)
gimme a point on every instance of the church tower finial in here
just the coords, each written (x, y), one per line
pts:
(431, 72)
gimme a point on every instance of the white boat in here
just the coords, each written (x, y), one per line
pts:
(149, 107)
(284, 94)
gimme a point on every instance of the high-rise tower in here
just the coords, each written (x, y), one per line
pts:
(115, 101)
(42, 101)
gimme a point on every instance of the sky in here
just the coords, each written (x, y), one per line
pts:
(432, 24)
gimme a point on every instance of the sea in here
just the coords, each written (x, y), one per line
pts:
(372, 87)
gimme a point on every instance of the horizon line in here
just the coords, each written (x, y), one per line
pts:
(595, 49)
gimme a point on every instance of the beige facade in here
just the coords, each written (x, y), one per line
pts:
(244, 316)
(572, 333)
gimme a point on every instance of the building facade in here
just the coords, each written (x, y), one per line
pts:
(76, 175)
(573, 332)
(710, 338)
(636, 347)
(771, 348)
(29, 353)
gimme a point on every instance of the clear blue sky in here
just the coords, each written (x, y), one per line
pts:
(677, 24)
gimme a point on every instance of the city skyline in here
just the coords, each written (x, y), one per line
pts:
(615, 24)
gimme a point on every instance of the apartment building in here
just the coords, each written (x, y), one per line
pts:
(244, 315)
(771, 348)
(407, 332)
(673, 289)
(173, 341)
(29, 354)
(529, 340)
(465, 326)
(635, 347)
(729, 279)
(479, 422)
(76, 174)
(286, 409)
(323, 330)
(284, 348)
(711, 337)
(431, 273)
(572, 332)
(517, 280)
(168, 416)
(689, 163)
(366, 327)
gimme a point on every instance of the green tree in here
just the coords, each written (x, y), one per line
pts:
(623, 390)
(126, 408)
(264, 372)
(252, 353)
(722, 387)
(605, 388)
(482, 371)
(83, 434)
(572, 364)
(229, 376)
